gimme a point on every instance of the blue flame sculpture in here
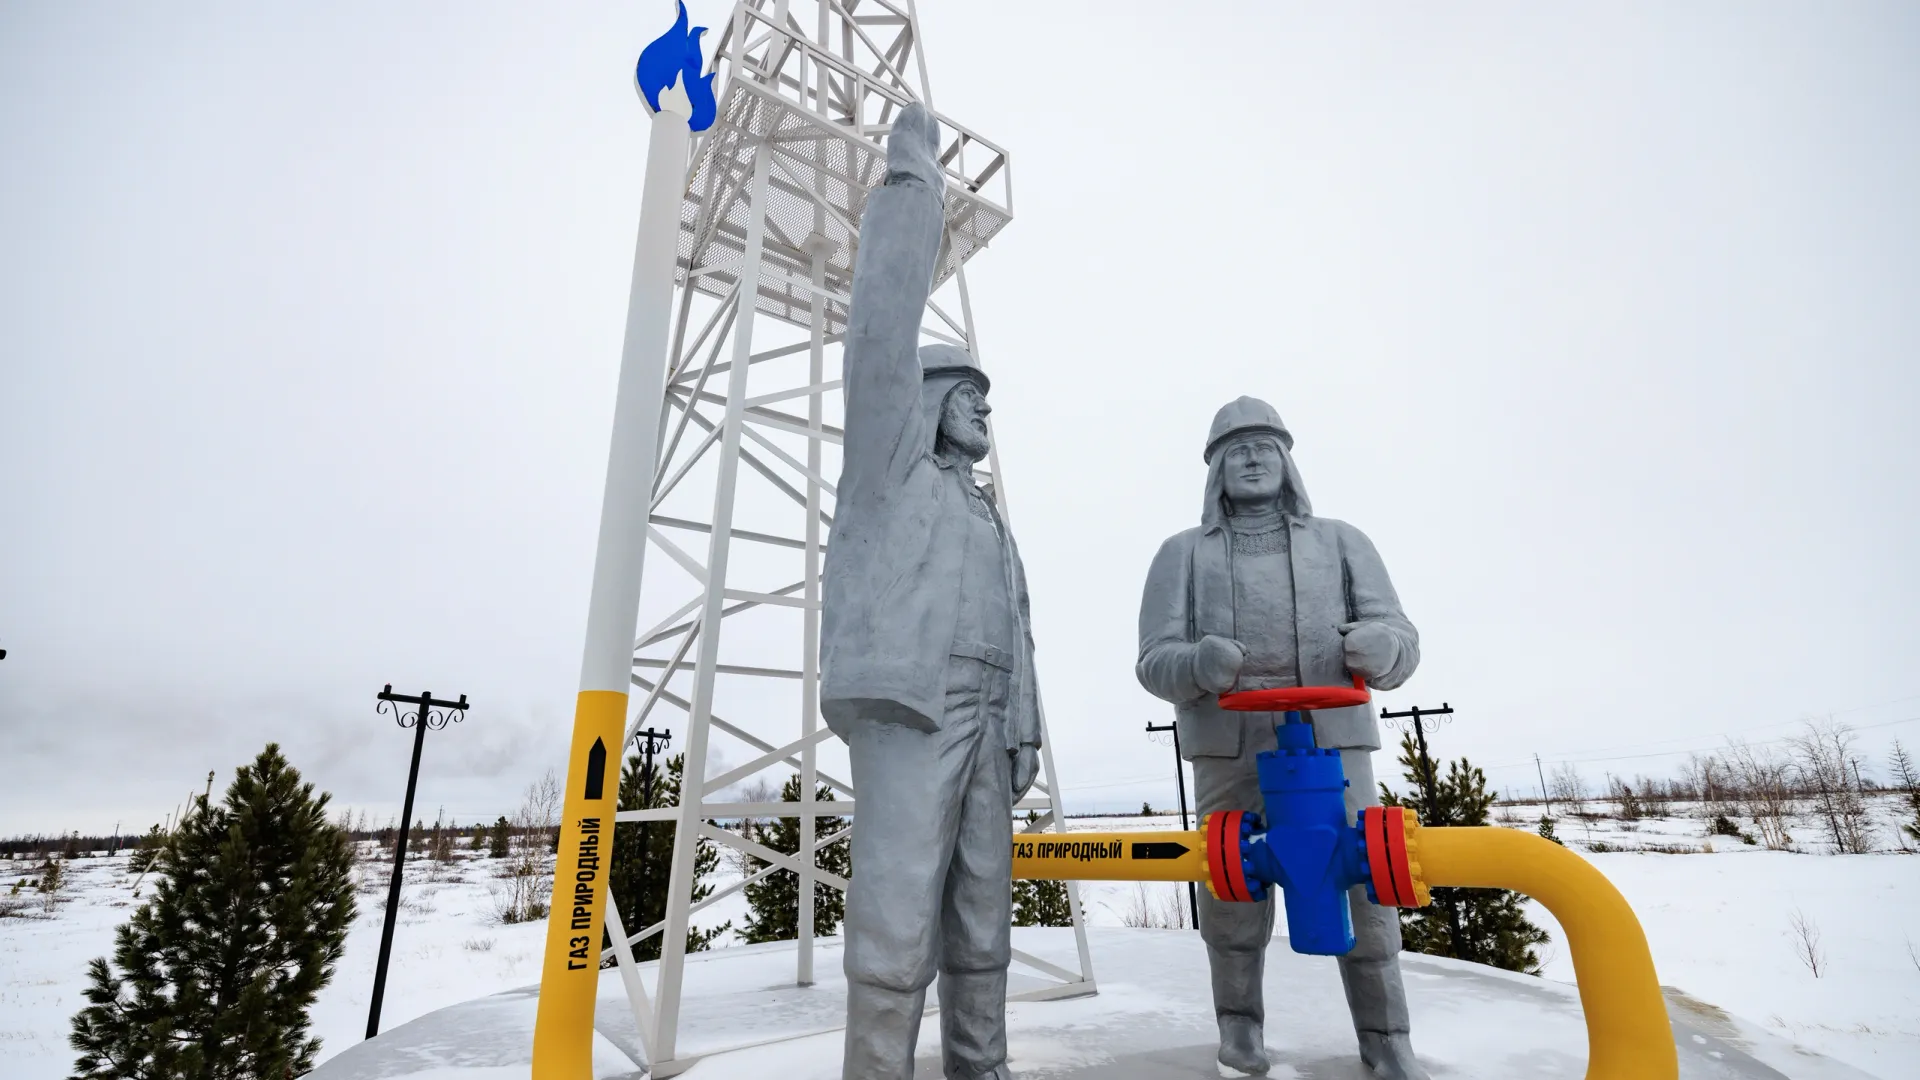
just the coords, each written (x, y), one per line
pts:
(675, 57)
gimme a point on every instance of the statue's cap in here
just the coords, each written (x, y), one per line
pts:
(1243, 415)
(942, 361)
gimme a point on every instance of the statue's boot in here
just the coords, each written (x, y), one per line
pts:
(883, 1025)
(973, 1025)
(1243, 1047)
(1378, 1001)
(1390, 1057)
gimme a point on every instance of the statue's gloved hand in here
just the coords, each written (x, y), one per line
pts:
(1216, 663)
(1371, 649)
(912, 147)
(1026, 766)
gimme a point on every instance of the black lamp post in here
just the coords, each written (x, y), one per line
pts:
(436, 714)
(1180, 782)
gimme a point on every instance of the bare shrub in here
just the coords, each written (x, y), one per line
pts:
(1712, 784)
(1828, 767)
(1805, 937)
(1158, 908)
(1629, 804)
(440, 839)
(537, 822)
(529, 870)
(1567, 787)
(1764, 781)
(478, 944)
(1905, 780)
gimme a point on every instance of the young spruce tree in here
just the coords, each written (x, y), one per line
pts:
(1487, 926)
(1040, 903)
(642, 858)
(212, 978)
(774, 900)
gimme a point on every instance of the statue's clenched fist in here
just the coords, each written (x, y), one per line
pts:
(1370, 648)
(913, 146)
(1026, 766)
(1216, 663)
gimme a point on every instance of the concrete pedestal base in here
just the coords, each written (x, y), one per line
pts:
(1150, 1021)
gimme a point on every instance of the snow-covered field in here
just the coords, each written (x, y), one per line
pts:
(1719, 922)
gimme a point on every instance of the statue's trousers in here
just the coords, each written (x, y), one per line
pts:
(929, 891)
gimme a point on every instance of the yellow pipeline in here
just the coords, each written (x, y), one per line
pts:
(1110, 856)
(1628, 1034)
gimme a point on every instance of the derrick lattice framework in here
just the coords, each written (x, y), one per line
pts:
(743, 496)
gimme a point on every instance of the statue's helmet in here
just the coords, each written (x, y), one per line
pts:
(950, 364)
(1238, 417)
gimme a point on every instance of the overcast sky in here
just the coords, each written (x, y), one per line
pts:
(1601, 320)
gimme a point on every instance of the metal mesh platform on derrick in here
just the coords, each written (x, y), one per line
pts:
(814, 162)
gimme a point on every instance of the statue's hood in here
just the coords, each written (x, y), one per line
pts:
(1293, 492)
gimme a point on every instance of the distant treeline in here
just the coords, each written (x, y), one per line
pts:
(78, 845)
(73, 845)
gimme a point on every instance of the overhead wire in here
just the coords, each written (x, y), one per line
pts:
(1576, 758)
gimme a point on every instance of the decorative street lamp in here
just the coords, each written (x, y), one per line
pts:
(436, 714)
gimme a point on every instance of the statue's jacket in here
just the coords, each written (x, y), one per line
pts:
(898, 543)
(1337, 578)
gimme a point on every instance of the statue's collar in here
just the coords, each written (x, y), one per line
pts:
(1223, 523)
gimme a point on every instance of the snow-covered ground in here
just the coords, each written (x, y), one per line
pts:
(1719, 923)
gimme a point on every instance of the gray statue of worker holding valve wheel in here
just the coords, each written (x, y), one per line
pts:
(1264, 595)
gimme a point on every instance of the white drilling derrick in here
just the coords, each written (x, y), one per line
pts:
(771, 213)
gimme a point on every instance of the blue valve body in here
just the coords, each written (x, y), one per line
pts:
(1309, 849)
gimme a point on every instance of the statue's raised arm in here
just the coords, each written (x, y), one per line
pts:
(900, 237)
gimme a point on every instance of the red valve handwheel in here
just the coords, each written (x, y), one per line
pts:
(1298, 698)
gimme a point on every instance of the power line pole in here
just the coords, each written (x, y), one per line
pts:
(1180, 781)
(647, 739)
(433, 713)
(1542, 774)
(1429, 793)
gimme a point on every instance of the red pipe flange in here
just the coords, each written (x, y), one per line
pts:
(1388, 863)
(1226, 877)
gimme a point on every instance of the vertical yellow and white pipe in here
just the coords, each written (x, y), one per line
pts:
(569, 978)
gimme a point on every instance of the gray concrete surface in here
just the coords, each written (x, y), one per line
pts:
(1152, 1020)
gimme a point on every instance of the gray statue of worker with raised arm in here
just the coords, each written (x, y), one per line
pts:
(1263, 595)
(926, 655)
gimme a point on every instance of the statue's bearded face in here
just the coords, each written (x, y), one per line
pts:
(1253, 471)
(963, 421)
